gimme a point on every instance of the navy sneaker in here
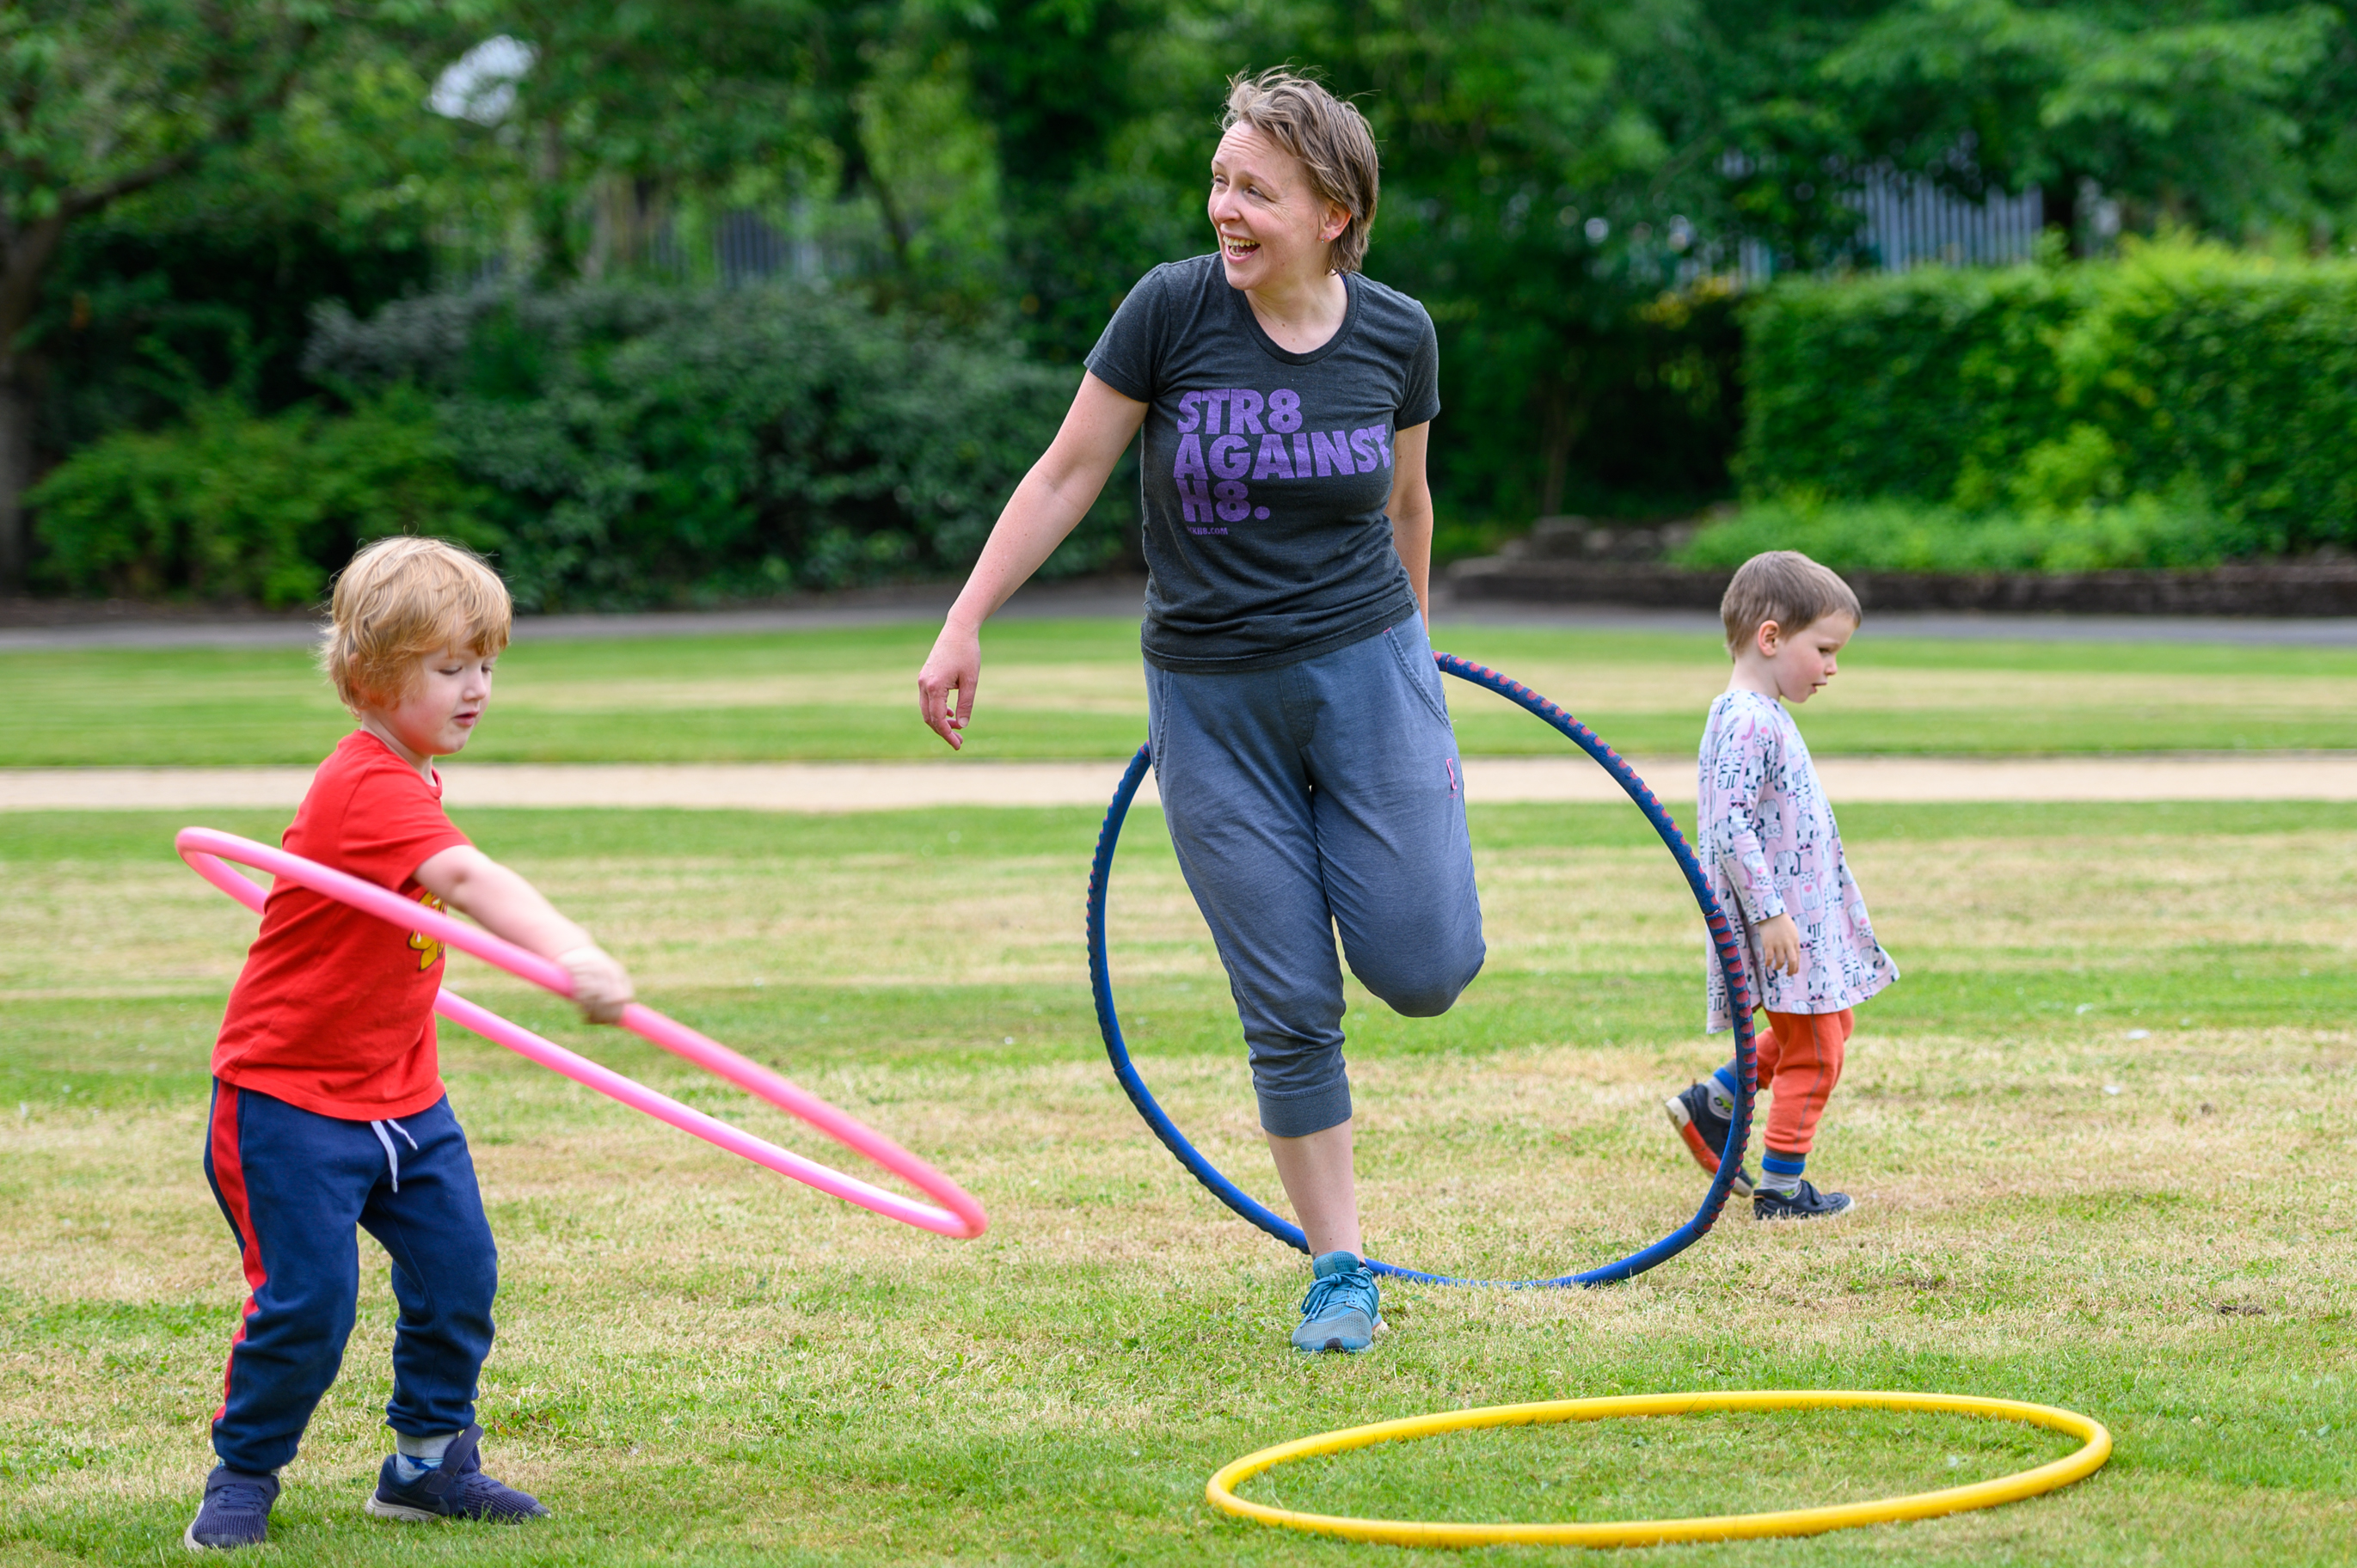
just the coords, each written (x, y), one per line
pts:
(456, 1489)
(1344, 1308)
(235, 1512)
(1804, 1203)
(1705, 1132)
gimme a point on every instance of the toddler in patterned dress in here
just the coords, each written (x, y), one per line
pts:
(1768, 842)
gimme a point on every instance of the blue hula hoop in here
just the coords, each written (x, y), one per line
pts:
(1723, 942)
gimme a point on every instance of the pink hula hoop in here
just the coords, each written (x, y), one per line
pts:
(952, 1213)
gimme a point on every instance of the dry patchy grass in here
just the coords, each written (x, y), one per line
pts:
(2107, 1208)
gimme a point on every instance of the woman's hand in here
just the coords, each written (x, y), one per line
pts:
(955, 665)
(1045, 506)
(1780, 945)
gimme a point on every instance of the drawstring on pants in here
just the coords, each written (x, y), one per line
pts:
(391, 1154)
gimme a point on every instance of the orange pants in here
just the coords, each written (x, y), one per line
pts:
(1800, 1055)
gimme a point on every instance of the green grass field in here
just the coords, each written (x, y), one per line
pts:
(2102, 1135)
(1073, 689)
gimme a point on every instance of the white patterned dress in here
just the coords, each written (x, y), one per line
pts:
(1768, 842)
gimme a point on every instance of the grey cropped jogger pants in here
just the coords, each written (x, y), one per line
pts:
(1320, 796)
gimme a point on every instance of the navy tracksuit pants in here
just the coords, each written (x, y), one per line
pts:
(293, 1184)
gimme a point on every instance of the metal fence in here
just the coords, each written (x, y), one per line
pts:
(748, 245)
(1906, 221)
(1910, 221)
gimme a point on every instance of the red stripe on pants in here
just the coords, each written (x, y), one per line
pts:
(229, 1177)
(1800, 1055)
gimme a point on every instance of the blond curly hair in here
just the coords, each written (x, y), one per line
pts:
(403, 598)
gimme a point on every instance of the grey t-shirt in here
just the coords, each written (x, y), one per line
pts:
(1266, 473)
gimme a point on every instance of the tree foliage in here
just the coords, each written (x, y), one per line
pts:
(103, 101)
(1568, 185)
(2195, 112)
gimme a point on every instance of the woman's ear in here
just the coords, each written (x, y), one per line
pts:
(1338, 218)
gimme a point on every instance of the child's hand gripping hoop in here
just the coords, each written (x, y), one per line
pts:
(952, 1212)
(1723, 945)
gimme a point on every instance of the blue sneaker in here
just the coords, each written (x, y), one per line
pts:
(1805, 1202)
(456, 1489)
(235, 1512)
(1343, 1310)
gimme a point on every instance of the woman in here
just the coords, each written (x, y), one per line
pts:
(1301, 742)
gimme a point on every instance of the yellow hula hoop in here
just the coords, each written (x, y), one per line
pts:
(1221, 1490)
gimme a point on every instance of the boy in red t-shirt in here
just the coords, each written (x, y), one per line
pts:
(327, 1109)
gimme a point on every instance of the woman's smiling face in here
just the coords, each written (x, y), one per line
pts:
(1272, 225)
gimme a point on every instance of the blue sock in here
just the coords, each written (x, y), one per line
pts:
(1782, 1172)
(1721, 1090)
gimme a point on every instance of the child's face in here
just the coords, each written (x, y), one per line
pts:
(1797, 664)
(446, 697)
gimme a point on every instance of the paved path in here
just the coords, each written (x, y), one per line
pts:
(1116, 599)
(860, 787)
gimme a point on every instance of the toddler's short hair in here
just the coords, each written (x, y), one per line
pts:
(1329, 137)
(1784, 586)
(402, 597)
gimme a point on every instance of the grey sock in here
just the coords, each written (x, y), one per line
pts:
(418, 1454)
(1780, 1174)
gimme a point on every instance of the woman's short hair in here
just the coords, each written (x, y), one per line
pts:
(1327, 136)
(402, 597)
(1787, 587)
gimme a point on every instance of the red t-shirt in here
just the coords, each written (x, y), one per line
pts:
(334, 1010)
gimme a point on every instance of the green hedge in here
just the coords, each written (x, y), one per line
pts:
(233, 506)
(2222, 384)
(1895, 534)
(610, 445)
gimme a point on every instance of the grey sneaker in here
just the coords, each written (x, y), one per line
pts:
(456, 1489)
(1344, 1308)
(235, 1512)
(1807, 1203)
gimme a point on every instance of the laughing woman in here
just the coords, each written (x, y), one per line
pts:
(1302, 748)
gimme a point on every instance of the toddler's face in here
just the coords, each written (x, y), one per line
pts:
(439, 716)
(1803, 661)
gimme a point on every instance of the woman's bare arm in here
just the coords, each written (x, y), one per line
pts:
(1046, 507)
(1411, 512)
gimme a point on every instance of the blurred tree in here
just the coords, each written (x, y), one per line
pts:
(1568, 184)
(1551, 167)
(743, 99)
(2218, 115)
(205, 284)
(103, 100)
(1565, 179)
(1103, 112)
(1544, 181)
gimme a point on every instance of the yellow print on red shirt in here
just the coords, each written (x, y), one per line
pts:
(428, 951)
